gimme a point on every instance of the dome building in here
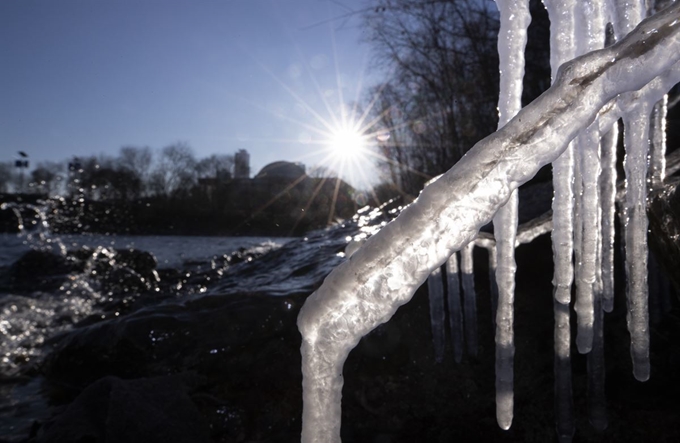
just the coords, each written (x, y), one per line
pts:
(281, 170)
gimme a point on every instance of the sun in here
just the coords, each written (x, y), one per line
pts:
(347, 144)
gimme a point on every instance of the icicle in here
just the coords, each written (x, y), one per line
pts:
(512, 38)
(597, 403)
(455, 308)
(562, 49)
(657, 157)
(587, 224)
(564, 403)
(469, 298)
(368, 288)
(493, 284)
(636, 141)
(608, 202)
(435, 289)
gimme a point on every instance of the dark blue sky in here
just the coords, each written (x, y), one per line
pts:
(84, 77)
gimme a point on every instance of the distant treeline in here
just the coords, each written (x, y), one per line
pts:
(170, 192)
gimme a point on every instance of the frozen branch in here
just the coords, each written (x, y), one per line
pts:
(367, 289)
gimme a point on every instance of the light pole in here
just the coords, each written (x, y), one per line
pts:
(21, 164)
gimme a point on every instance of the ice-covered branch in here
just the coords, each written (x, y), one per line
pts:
(367, 289)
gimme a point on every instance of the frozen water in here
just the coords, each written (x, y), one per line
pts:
(469, 298)
(384, 273)
(435, 288)
(512, 39)
(455, 307)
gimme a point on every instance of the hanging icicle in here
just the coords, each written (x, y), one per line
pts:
(657, 156)
(608, 202)
(512, 38)
(469, 298)
(435, 289)
(636, 141)
(590, 37)
(366, 290)
(562, 48)
(455, 307)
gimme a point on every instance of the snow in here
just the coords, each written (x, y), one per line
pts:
(366, 290)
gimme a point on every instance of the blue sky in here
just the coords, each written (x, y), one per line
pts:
(85, 77)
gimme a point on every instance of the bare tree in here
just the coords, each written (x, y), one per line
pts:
(441, 94)
(175, 171)
(137, 160)
(6, 176)
(217, 166)
(48, 177)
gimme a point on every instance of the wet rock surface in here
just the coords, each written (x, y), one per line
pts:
(664, 224)
(223, 365)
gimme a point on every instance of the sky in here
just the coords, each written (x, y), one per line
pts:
(86, 77)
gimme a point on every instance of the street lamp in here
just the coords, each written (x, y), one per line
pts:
(21, 164)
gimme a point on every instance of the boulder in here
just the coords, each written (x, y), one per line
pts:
(145, 410)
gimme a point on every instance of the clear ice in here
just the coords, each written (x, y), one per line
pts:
(366, 290)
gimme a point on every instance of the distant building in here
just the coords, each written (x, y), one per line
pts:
(281, 170)
(242, 164)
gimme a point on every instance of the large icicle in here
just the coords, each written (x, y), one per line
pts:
(435, 289)
(493, 284)
(455, 307)
(469, 298)
(564, 403)
(367, 289)
(597, 403)
(562, 48)
(636, 141)
(591, 37)
(657, 156)
(608, 200)
(512, 39)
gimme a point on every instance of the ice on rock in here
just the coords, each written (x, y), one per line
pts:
(356, 297)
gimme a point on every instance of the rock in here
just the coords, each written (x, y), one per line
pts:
(664, 223)
(40, 270)
(112, 410)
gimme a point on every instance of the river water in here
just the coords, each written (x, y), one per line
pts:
(29, 318)
(72, 283)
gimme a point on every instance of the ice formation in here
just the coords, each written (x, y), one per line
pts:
(512, 39)
(589, 94)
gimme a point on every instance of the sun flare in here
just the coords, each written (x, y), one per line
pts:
(347, 144)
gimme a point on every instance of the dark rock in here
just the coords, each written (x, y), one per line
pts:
(246, 346)
(40, 270)
(112, 410)
(664, 223)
